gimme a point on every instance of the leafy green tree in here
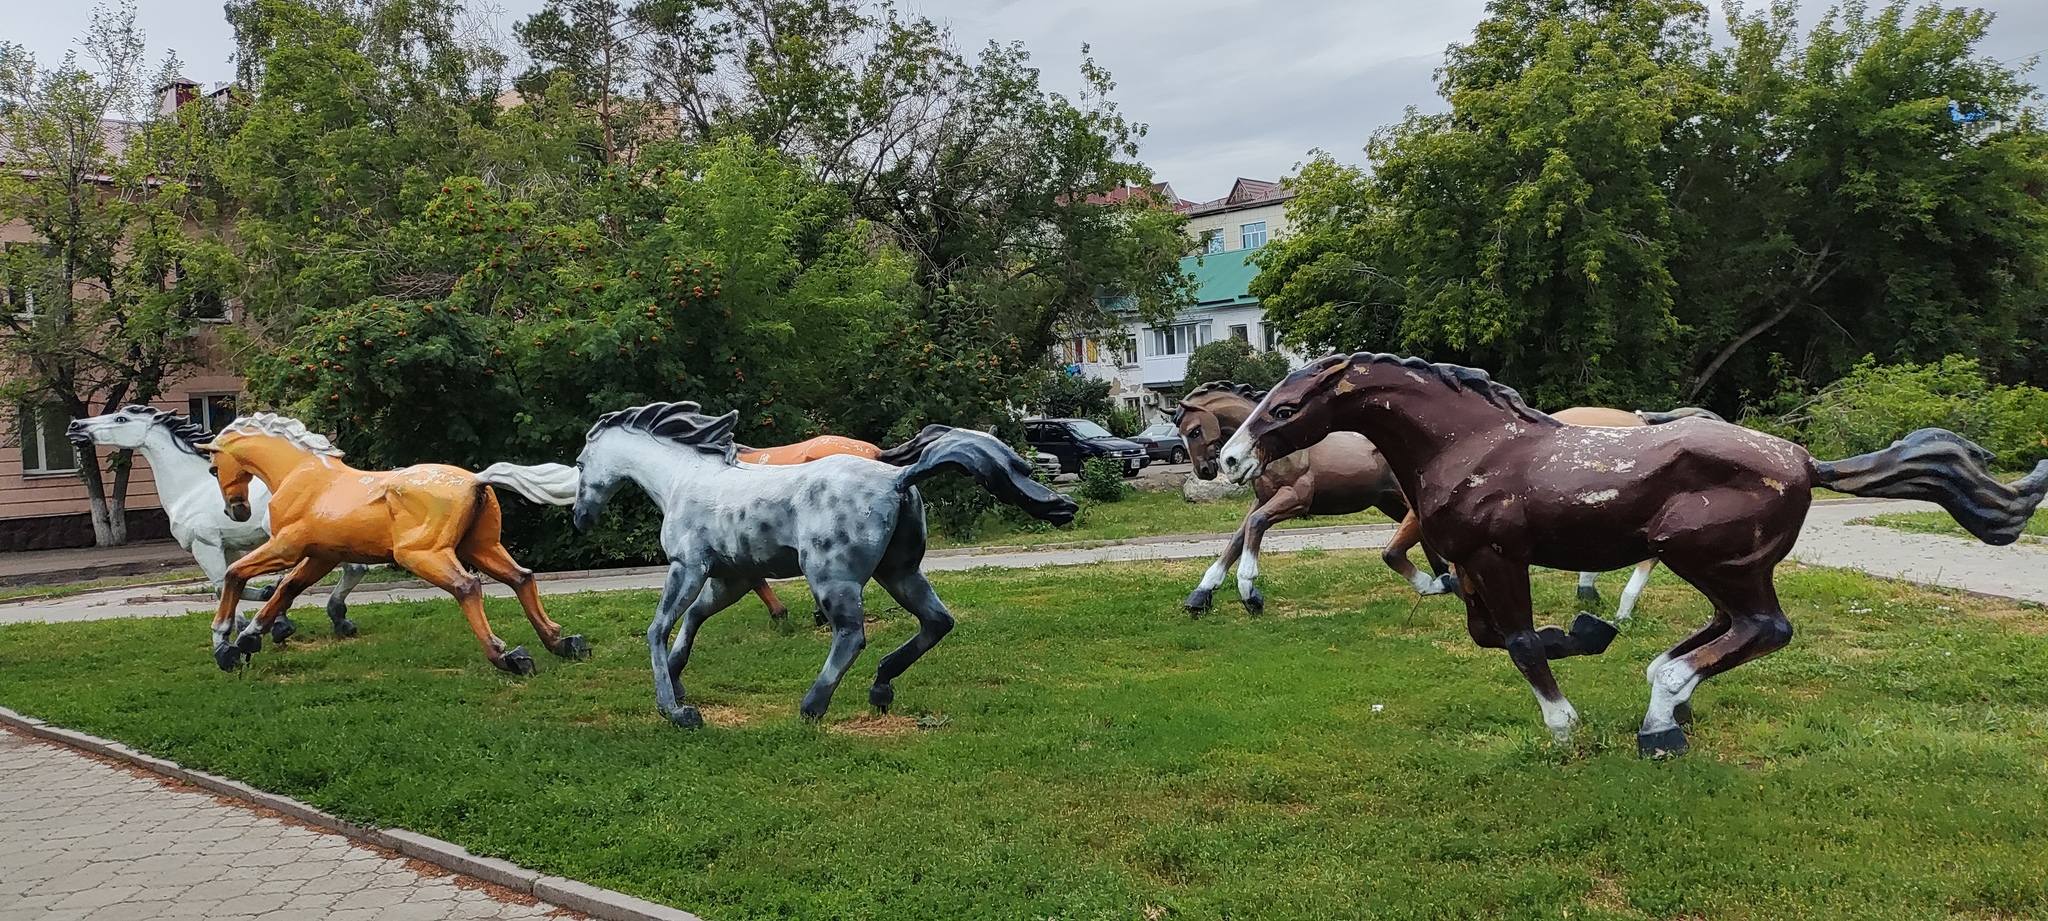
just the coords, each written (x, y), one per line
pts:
(1232, 359)
(1616, 210)
(1071, 396)
(103, 307)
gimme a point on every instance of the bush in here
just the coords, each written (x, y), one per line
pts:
(1073, 397)
(1123, 423)
(1102, 480)
(1876, 404)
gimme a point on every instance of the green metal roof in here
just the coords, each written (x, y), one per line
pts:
(1222, 279)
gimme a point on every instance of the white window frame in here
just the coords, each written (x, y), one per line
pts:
(205, 417)
(1213, 242)
(35, 432)
(1271, 337)
(1179, 339)
(1245, 232)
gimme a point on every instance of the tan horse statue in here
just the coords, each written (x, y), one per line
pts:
(431, 520)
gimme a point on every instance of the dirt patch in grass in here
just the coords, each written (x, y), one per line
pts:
(871, 724)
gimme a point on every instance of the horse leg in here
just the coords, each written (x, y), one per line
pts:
(270, 557)
(841, 603)
(777, 611)
(713, 596)
(441, 569)
(1589, 593)
(480, 547)
(1633, 590)
(1198, 600)
(1755, 626)
(337, 601)
(1287, 503)
(685, 580)
(1503, 586)
(914, 592)
(272, 617)
(1396, 557)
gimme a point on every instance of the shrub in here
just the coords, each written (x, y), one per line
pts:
(1123, 423)
(1102, 480)
(1875, 404)
(1232, 359)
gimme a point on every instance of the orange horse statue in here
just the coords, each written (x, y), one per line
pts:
(803, 452)
(430, 519)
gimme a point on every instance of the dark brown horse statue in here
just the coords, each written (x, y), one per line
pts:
(1500, 487)
(1210, 414)
(1339, 476)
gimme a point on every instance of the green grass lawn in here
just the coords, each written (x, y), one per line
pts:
(1144, 514)
(1093, 753)
(1942, 523)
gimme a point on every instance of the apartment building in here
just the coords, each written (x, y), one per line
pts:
(1145, 364)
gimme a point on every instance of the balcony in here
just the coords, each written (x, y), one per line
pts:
(1163, 370)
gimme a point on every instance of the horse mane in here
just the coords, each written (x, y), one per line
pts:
(185, 433)
(682, 422)
(285, 427)
(1211, 388)
(1459, 377)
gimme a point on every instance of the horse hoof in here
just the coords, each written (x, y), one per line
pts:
(881, 696)
(1667, 743)
(336, 608)
(344, 628)
(1592, 635)
(686, 717)
(573, 647)
(1682, 713)
(1590, 596)
(1198, 601)
(518, 662)
(260, 593)
(250, 643)
(1450, 583)
(282, 629)
(818, 619)
(228, 657)
(1254, 603)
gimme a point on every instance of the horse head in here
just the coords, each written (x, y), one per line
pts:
(1208, 416)
(130, 427)
(264, 446)
(604, 466)
(232, 475)
(1292, 416)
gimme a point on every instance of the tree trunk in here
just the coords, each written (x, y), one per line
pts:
(123, 463)
(103, 529)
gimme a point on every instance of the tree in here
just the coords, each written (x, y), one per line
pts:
(1232, 359)
(130, 255)
(1618, 211)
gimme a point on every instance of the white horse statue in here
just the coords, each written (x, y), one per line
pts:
(191, 498)
(837, 521)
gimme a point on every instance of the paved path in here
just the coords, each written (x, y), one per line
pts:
(2018, 571)
(80, 839)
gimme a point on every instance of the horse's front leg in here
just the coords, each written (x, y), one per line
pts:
(1633, 590)
(840, 600)
(270, 557)
(685, 580)
(1198, 600)
(272, 617)
(1287, 502)
(1502, 590)
(716, 595)
(1406, 536)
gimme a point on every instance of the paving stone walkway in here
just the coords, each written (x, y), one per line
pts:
(82, 839)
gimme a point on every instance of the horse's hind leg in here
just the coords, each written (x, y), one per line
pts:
(914, 592)
(1589, 591)
(840, 600)
(480, 548)
(1499, 590)
(1198, 600)
(1633, 590)
(1748, 623)
(442, 569)
(777, 611)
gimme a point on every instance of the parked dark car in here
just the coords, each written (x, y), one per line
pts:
(1076, 440)
(1163, 443)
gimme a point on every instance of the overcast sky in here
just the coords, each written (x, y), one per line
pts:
(1240, 88)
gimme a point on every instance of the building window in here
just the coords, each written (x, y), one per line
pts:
(1272, 336)
(1127, 353)
(1253, 234)
(1180, 339)
(1241, 333)
(20, 269)
(213, 411)
(207, 307)
(44, 449)
(1212, 241)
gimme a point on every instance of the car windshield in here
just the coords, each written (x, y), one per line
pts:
(1086, 429)
(1162, 430)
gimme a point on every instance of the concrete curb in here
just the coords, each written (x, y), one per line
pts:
(603, 904)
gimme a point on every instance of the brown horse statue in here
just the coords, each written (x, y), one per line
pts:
(431, 520)
(1340, 476)
(1500, 487)
(1211, 413)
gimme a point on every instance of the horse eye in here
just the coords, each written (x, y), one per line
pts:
(1283, 412)
(1195, 432)
(215, 470)
(120, 418)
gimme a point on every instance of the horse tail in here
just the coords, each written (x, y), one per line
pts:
(992, 464)
(1682, 412)
(907, 453)
(1939, 466)
(545, 484)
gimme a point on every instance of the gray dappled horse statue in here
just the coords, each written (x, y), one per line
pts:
(836, 521)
